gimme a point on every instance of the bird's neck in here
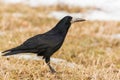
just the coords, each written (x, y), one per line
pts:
(61, 29)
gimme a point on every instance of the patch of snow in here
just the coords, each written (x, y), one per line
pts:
(107, 9)
(32, 3)
(17, 14)
(115, 36)
(53, 60)
(12, 1)
(2, 33)
(35, 3)
(61, 14)
(101, 15)
(90, 15)
(107, 5)
(112, 36)
(101, 4)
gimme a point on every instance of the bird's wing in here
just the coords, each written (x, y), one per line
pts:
(42, 41)
(38, 42)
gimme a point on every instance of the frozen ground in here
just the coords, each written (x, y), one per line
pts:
(53, 60)
(104, 9)
(57, 61)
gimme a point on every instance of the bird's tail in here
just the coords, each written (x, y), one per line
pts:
(8, 53)
(11, 51)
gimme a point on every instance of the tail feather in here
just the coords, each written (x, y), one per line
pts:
(11, 53)
(21, 47)
(17, 50)
(6, 51)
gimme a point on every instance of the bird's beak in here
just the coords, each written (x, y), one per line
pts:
(77, 20)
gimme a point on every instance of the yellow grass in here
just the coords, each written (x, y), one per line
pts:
(87, 44)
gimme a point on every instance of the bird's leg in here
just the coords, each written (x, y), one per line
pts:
(47, 60)
(51, 69)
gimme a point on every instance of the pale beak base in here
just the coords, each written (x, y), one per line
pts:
(77, 20)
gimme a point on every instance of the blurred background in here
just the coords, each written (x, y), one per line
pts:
(93, 46)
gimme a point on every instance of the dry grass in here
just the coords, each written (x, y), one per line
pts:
(20, 69)
(87, 44)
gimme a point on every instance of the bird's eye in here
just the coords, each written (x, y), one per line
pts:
(69, 18)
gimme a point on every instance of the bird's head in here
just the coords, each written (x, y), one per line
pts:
(64, 24)
(70, 20)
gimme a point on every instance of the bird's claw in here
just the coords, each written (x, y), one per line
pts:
(53, 71)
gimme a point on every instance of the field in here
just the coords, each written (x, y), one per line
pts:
(89, 44)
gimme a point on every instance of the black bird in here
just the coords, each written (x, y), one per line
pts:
(46, 44)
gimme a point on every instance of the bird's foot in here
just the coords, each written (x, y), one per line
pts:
(52, 71)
